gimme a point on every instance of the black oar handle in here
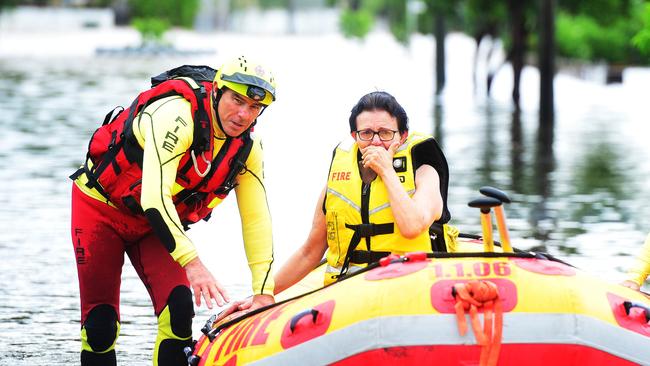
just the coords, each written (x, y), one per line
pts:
(484, 203)
(495, 193)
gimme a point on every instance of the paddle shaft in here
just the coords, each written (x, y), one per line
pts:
(503, 229)
(486, 224)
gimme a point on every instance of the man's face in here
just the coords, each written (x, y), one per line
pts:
(237, 112)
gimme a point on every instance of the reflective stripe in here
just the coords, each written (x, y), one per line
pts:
(344, 199)
(351, 269)
(377, 209)
(387, 204)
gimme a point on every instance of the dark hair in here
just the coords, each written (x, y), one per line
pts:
(382, 101)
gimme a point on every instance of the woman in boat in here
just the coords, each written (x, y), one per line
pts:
(385, 188)
(637, 275)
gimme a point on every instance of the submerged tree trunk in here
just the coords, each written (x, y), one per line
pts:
(291, 12)
(440, 32)
(547, 62)
(518, 48)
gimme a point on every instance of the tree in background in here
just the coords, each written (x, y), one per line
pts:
(642, 39)
(176, 13)
(152, 18)
(600, 31)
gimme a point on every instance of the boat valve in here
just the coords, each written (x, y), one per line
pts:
(500, 215)
(486, 204)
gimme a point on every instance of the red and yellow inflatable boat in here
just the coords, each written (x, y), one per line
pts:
(445, 309)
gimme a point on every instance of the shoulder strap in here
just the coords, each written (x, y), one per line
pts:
(238, 164)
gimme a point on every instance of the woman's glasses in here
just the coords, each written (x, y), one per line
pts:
(368, 135)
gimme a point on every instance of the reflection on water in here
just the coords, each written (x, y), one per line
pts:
(579, 190)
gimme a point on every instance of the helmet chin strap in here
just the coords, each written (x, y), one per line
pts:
(216, 98)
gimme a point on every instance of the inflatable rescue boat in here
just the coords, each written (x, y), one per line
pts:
(471, 307)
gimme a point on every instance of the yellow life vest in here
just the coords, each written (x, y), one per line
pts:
(358, 215)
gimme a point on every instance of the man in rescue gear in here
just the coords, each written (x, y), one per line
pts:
(639, 272)
(153, 169)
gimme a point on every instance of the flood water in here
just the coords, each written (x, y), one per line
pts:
(584, 197)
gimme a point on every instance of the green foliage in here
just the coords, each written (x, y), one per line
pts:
(151, 30)
(603, 11)
(6, 4)
(273, 4)
(572, 34)
(642, 39)
(484, 16)
(356, 23)
(582, 37)
(179, 13)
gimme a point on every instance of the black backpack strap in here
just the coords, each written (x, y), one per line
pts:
(196, 72)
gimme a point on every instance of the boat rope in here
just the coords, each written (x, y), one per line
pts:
(471, 296)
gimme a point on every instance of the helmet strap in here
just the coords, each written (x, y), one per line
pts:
(216, 97)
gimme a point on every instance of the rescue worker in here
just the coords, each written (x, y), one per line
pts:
(153, 169)
(385, 189)
(637, 275)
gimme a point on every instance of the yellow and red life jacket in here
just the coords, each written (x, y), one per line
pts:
(114, 161)
(360, 222)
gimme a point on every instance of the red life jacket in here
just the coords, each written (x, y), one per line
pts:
(116, 156)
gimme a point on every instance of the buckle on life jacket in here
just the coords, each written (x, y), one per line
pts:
(364, 230)
(365, 256)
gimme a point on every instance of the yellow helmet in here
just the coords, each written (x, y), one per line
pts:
(247, 78)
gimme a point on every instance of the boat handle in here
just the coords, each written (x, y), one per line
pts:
(296, 318)
(629, 305)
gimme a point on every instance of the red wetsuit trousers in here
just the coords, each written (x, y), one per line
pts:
(101, 235)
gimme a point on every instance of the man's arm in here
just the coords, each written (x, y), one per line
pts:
(639, 272)
(256, 226)
(307, 257)
(165, 131)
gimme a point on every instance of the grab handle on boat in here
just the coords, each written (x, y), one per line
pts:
(628, 305)
(208, 324)
(296, 318)
(485, 204)
(500, 214)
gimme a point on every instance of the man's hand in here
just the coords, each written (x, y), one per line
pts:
(631, 284)
(378, 158)
(261, 301)
(241, 307)
(203, 283)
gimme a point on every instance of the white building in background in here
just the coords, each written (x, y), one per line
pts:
(303, 17)
(31, 18)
